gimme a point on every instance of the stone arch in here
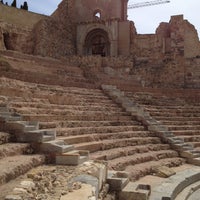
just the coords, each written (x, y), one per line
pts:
(97, 42)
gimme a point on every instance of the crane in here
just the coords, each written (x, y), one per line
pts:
(147, 3)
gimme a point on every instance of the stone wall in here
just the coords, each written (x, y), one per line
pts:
(176, 38)
(192, 73)
(55, 36)
(16, 28)
(19, 17)
(14, 38)
(112, 9)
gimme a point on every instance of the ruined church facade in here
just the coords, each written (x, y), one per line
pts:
(94, 27)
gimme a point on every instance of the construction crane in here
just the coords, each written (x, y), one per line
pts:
(147, 3)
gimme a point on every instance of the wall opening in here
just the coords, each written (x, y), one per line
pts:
(6, 39)
(97, 15)
(97, 43)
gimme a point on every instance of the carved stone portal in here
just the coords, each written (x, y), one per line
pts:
(97, 43)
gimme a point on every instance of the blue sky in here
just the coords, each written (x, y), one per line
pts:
(146, 19)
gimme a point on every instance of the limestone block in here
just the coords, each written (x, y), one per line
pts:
(27, 184)
(72, 157)
(19, 191)
(55, 146)
(97, 169)
(117, 180)
(86, 192)
(135, 192)
(91, 181)
(164, 172)
(13, 197)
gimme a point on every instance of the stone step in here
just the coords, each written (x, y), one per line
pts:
(190, 193)
(36, 136)
(125, 151)
(12, 118)
(61, 109)
(91, 130)
(120, 164)
(4, 109)
(148, 168)
(183, 127)
(104, 136)
(135, 191)
(190, 138)
(172, 186)
(170, 118)
(71, 124)
(14, 166)
(174, 109)
(55, 146)
(171, 114)
(155, 103)
(176, 140)
(190, 154)
(186, 132)
(117, 180)
(70, 112)
(12, 149)
(21, 126)
(5, 113)
(182, 147)
(115, 143)
(86, 117)
(44, 103)
(75, 157)
(5, 138)
(196, 145)
(181, 123)
(194, 161)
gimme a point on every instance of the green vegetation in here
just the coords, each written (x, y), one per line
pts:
(25, 6)
(14, 3)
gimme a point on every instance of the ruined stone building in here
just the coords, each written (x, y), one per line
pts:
(106, 113)
(88, 27)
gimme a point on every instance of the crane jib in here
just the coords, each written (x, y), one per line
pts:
(147, 3)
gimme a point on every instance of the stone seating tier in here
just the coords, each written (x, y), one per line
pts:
(16, 158)
(89, 121)
(178, 115)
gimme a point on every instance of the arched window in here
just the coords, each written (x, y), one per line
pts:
(97, 15)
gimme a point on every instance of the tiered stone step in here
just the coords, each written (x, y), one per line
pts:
(14, 166)
(71, 124)
(4, 137)
(182, 119)
(12, 149)
(16, 158)
(44, 70)
(127, 150)
(91, 122)
(89, 117)
(113, 143)
(97, 130)
(121, 164)
(149, 168)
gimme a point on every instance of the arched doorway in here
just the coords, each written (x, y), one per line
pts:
(97, 43)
